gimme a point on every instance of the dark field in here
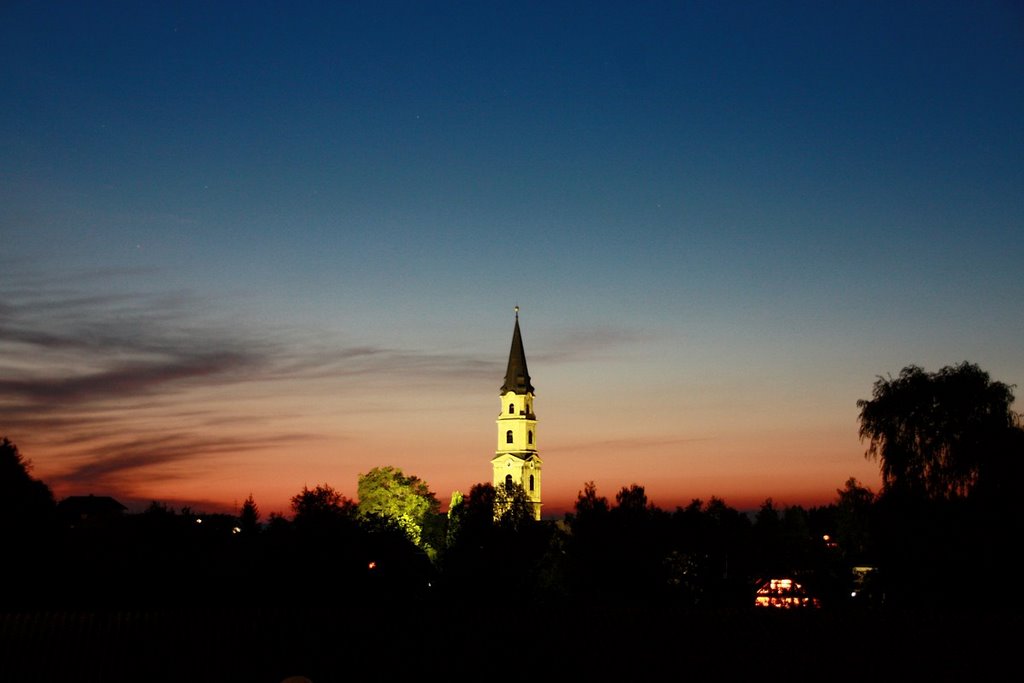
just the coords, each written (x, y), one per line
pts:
(493, 640)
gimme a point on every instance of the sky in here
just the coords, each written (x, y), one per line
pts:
(247, 247)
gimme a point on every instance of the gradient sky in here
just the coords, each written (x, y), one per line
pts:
(246, 247)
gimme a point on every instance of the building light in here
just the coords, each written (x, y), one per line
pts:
(783, 593)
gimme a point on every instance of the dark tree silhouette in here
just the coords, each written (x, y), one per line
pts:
(480, 502)
(28, 530)
(321, 504)
(589, 521)
(26, 503)
(512, 507)
(768, 515)
(722, 535)
(768, 542)
(470, 517)
(631, 500)
(510, 550)
(939, 435)
(853, 519)
(620, 552)
(589, 504)
(951, 453)
(249, 516)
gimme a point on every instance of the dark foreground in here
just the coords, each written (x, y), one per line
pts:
(497, 641)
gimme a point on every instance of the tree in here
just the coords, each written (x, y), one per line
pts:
(453, 525)
(480, 502)
(471, 517)
(617, 552)
(589, 504)
(853, 518)
(587, 546)
(590, 518)
(26, 503)
(486, 550)
(631, 500)
(249, 516)
(726, 539)
(512, 506)
(28, 525)
(406, 501)
(319, 505)
(940, 435)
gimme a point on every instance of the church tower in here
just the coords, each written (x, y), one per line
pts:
(516, 458)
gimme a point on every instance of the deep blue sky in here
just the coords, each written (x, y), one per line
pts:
(724, 219)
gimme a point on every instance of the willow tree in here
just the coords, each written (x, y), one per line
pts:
(941, 434)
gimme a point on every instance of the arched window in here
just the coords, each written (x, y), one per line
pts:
(508, 480)
(511, 408)
(529, 437)
(531, 483)
(508, 436)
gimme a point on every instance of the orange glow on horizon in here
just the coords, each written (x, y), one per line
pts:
(672, 476)
(211, 446)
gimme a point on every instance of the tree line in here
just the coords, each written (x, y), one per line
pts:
(949, 447)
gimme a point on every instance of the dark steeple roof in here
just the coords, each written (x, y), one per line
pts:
(517, 377)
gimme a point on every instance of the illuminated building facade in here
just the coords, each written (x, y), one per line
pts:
(516, 459)
(783, 593)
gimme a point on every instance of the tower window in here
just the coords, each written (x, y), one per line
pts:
(508, 480)
(531, 483)
(511, 408)
(529, 437)
(508, 436)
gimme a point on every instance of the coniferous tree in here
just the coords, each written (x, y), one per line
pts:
(249, 516)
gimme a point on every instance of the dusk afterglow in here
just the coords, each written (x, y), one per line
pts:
(248, 248)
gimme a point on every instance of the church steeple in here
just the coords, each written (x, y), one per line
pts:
(516, 460)
(517, 377)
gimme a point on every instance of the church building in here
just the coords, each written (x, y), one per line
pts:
(516, 459)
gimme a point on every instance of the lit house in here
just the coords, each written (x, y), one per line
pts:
(784, 594)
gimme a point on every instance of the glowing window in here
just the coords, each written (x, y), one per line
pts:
(531, 482)
(508, 436)
(511, 408)
(529, 437)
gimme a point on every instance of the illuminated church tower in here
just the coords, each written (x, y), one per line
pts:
(516, 459)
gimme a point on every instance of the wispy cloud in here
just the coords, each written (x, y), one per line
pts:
(132, 379)
(118, 464)
(127, 385)
(115, 382)
(585, 344)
